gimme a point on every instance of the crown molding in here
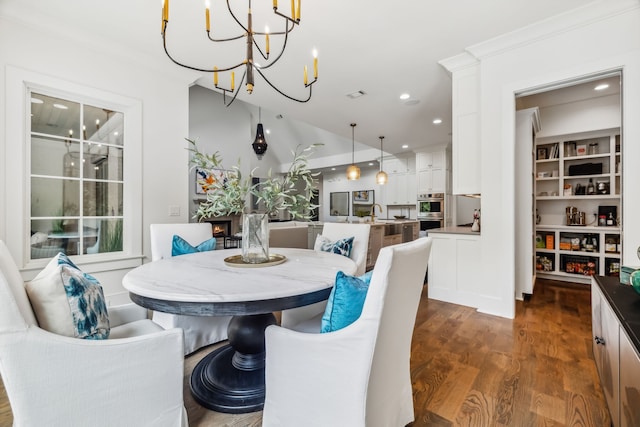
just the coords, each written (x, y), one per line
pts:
(588, 14)
(459, 62)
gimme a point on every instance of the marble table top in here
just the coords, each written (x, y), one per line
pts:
(204, 277)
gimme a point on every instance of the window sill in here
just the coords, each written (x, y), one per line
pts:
(88, 263)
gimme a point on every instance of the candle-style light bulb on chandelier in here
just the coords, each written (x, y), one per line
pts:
(353, 171)
(381, 177)
(252, 46)
(260, 143)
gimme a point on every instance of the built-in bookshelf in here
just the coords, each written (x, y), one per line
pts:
(578, 205)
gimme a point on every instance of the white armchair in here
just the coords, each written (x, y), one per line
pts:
(358, 375)
(199, 331)
(334, 231)
(133, 378)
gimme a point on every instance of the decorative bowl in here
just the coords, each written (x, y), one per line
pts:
(399, 216)
(634, 280)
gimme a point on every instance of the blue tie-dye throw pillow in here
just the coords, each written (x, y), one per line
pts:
(179, 246)
(69, 302)
(340, 247)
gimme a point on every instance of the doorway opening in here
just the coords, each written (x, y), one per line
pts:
(568, 174)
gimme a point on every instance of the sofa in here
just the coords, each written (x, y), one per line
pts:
(289, 234)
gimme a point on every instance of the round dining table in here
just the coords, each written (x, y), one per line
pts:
(231, 378)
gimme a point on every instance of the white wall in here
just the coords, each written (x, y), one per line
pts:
(337, 181)
(583, 44)
(93, 63)
(581, 116)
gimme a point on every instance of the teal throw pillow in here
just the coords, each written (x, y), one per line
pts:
(345, 302)
(340, 247)
(179, 246)
(68, 301)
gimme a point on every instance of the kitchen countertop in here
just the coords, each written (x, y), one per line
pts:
(453, 230)
(625, 302)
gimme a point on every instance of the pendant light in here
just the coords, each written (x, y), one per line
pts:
(260, 143)
(381, 177)
(353, 172)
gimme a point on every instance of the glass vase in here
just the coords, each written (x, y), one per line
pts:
(255, 238)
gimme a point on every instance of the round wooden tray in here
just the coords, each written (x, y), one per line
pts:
(236, 261)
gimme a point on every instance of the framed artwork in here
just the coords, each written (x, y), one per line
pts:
(206, 178)
(363, 197)
(361, 202)
(542, 153)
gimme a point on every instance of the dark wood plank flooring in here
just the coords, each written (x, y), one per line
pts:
(472, 369)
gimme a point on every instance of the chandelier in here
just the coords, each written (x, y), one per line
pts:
(248, 65)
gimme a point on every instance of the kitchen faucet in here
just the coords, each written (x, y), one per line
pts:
(373, 211)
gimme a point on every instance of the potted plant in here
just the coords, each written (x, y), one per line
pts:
(229, 196)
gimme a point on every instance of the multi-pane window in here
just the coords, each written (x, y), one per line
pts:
(76, 175)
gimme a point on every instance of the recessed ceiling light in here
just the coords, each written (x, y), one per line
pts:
(405, 96)
(602, 86)
(268, 131)
(437, 121)
(60, 106)
(405, 146)
(37, 101)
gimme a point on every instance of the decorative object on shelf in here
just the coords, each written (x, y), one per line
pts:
(230, 197)
(260, 143)
(476, 220)
(353, 171)
(251, 46)
(542, 153)
(381, 177)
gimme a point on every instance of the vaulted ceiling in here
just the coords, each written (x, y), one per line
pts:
(381, 48)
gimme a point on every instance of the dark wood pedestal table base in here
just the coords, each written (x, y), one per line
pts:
(231, 379)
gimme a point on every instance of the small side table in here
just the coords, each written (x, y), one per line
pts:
(232, 242)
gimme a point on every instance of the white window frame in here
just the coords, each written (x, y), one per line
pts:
(19, 83)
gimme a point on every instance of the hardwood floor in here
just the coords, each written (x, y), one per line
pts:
(472, 369)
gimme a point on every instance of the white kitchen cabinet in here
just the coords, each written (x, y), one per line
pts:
(432, 170)
(401, 189)
(629, 383)
(616, 326)
(465, 83)
(431, 159)
(606, 339)
(453, 266)
(432, 181)
(401, 185)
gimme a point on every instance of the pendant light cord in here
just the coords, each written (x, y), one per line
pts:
(353, 143)
(381, 138)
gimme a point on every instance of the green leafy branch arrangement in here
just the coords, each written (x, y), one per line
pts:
(229, 196)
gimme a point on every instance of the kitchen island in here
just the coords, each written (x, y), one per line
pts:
(454, 264)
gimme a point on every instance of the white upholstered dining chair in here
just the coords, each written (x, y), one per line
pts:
(134, 378)
(358, 375)
(199, 331)
(334, 231)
